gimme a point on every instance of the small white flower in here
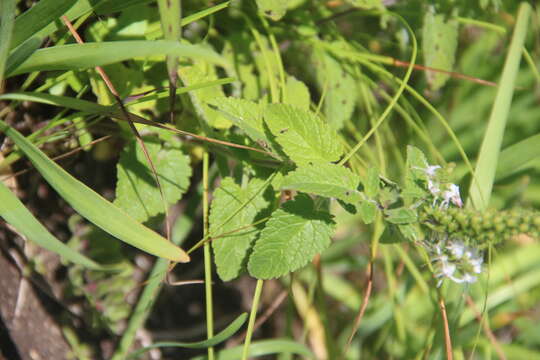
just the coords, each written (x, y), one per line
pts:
(452, 195)
(457, 248)
(448, 269)
(477, 264)
(433, 187)
(468, 278)
(431, 169)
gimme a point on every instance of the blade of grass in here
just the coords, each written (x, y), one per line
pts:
(38, 17)
(94, 207)
(222, 336)
(252, 315)
(16, 214)
(482, 183)
(516, 157)
(7, 15)
(265, 347)
(89, 55)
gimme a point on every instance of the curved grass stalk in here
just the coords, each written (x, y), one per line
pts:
(252, 317)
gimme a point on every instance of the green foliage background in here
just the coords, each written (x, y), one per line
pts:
(282, 150)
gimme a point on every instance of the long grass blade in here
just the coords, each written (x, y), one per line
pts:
(482, 183)
(18, 216)
(89, 55)
(7, 15)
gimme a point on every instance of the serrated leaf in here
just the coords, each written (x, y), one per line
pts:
(328, 180)
(368, 210)
(440, 37)
(401, 215)
(233, 209)
(294, 234)
(339, 87)
(302, 135)
(136, 190)
(274, 9)
(371, 183)
(297, 93)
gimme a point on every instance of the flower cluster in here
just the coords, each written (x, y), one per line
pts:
(453, 259)
(447, 192)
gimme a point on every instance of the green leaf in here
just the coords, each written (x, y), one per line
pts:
(274, 9)
(328, 180)
(371, 183)
(89, 55)
(518, 156)
(486, 166)
(391, 235)
(94, 207)
(440, 38)
(233, 210)
(136, 190)
(297, 93)
(409, 232)
(302, 135)
(18, 216)
(338, 86)
(262, 348)
(214, 340)
(294, 234)
(38, 17)
(401, 215)
(368, 210)
(21, 53)
(366, 4)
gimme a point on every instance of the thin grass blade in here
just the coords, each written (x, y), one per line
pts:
(89, 55)
(222, 336)
(7, 16)
(18, 216)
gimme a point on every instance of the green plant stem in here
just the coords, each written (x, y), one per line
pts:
(207, 260)
(252, 317)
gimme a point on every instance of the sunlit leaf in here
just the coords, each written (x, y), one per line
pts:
(328, 180)
(294, 234)
(234, 209)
